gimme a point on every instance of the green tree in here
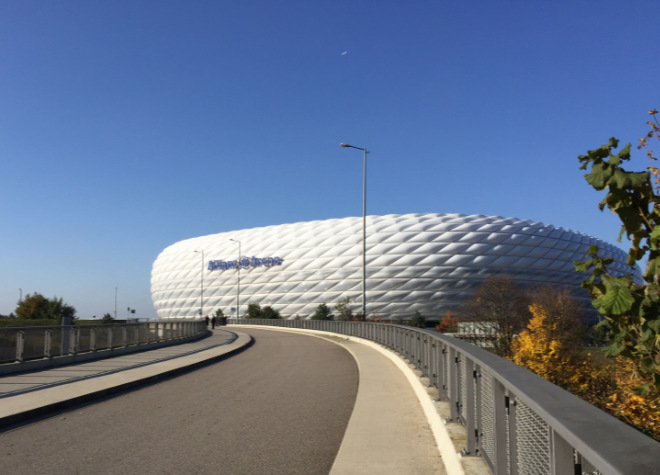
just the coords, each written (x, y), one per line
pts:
(418, 320)
(219, 314)
(270, 313)
(107, 318)
(323, 313)
(630, 308)
(253, 311)
(36, 306)
(344, 312)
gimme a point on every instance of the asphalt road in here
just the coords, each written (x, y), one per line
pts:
(280, 407)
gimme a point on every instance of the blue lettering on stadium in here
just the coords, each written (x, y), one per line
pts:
(245, 263)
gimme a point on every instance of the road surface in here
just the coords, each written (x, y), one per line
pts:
(280, 407)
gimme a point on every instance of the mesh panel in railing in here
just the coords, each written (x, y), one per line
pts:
(117, 337)
(532, 441)
(487, 422)
(84, 339)
(131, 337)
(56, 342)
(7, 346)
(103, 338)
(33, 343)
(144, 333)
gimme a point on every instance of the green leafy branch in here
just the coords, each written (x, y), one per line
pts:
(631, 308)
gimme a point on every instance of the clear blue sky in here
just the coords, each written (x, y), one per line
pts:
(126, 126)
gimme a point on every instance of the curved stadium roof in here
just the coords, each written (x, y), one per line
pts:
(429, 263)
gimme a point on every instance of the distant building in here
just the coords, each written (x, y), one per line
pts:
(430, 263)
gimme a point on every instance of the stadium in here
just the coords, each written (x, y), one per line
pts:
(430, 263)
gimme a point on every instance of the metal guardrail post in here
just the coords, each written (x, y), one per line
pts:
(425, 357)
(73, 340)
(433, 364)
(20, 344)
(563, 456)
(443, 379)
(48, 337)
(479, 403)
(453, 385)
(470, 409)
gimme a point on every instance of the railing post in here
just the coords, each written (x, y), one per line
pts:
(429, 343)
(479, 402)
(66, 344)
(454, 377)
(563, 456)
(433, 363)
(73, 340)
(470, 416)
(48, 337)
(20, 343)
(443, 380)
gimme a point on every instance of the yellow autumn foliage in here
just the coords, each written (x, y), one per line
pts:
(548, 350)
(541, 349)
(639, 411)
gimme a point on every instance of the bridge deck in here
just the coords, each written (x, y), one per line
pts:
(387, 430)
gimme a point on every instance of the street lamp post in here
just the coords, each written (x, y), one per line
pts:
(238, 287)
(364, 228)
(201, 297)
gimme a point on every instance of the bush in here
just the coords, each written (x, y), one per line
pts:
(418, 320)
(448, 324)
(323, 313)
(270, 313)
(344, 312)
(253, 311)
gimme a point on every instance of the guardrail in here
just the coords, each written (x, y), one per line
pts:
(518, 422)
(28, 344)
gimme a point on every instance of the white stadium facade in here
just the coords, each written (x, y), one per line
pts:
(430, 263)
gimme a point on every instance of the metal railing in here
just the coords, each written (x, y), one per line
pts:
(518, 422)
(22, 344)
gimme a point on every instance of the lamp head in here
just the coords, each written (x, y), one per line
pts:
(344, 145)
